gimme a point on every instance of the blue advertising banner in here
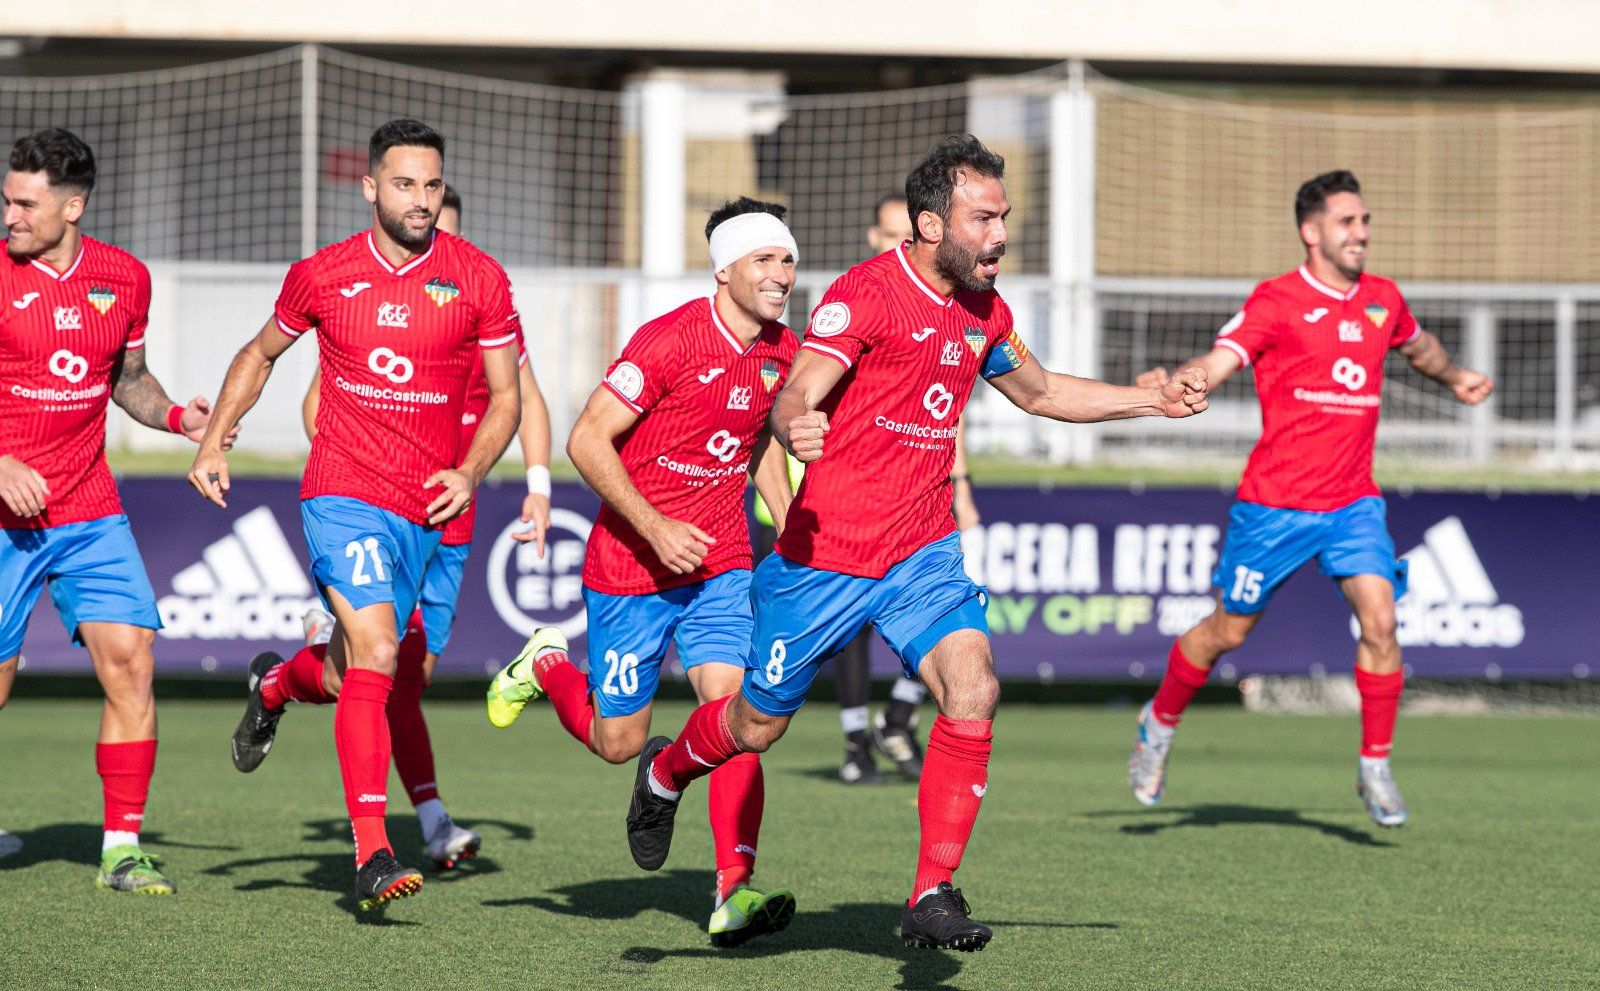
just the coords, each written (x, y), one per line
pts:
(1085, 583)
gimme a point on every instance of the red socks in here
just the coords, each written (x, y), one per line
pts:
(408, 731)
(568, 690)
(125, 770)
(299, 679)
(1178, 688)
(1380, 704)
(735, 799)
(361, 733)
(955, 776)
(703, 746)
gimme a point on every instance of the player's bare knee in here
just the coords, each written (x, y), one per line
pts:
(753, 730)
(1225, 632)
(379, 654)
(618, 749)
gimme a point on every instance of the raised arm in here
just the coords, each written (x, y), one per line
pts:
(242, 386)
(1429, 357)
(1041, 392)
(494, 434)
(796, 422)
(592, 447)
(533, 434)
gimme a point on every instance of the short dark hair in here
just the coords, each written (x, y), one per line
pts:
(402, 132)
(452, 199)
(884, 201)
(931, 183)
(62, 156)
(740, 206)
(1314, 192)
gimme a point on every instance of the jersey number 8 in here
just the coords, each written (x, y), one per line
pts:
(774, 670)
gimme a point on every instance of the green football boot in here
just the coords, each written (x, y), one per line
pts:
(517, 684)
(749, 913)
(128, 868)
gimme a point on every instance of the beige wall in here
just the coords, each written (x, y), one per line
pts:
(1541, 35)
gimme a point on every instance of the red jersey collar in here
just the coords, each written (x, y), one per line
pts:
(728, 335)
(916, 280)
(83, 249)
(433, 239)
(1305, 273)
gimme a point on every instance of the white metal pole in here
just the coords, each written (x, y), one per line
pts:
(1566, 379)
(662, 106)
(1481, 354)
(310, 168)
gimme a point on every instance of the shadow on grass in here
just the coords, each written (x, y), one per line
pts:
(79, 843)
(1235, 815)
(334, 870)
(830, 772)
(866, 928)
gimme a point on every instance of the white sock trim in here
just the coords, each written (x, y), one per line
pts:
(660, 790)
(853, 719)
(908, 690)
(431, 815)
(931, 891)
(117, 837)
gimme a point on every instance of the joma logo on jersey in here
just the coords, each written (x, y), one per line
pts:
(951, 354)
(394, 315)
(1350, 330)
(739, 397)
(68, 318)
(101, 299)
(441, 291)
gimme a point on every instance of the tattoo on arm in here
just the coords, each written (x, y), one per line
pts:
(138, 392)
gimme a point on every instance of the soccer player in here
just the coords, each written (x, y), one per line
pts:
(667, 440)
(871, 405)
(72, 337)
(402, 313)
(445, 843)
(1316, 337)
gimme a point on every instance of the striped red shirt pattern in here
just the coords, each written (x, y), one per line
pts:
(397, 346)
(702, 399)
(881, 490)
(61, 335)
(1318, 359)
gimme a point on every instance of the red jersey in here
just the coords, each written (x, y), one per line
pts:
(397, 346)
(702, 399)
(1318, 357)
(881, 490)
(459, 530)
(61, 334)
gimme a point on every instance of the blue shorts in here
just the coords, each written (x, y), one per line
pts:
(1265, 546)
(94, 572)
(709, 621)
(368, 555)
(806, 615)
(441, 584)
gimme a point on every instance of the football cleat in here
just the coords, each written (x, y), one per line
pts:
(650, 817)
(318, 626)
(939, 920)
(450, 845)
(859, 768)
(517, 684)
(899, 744)
(748, 913)
(1147, 765)
(382, 879)
(1375, 784)
(128, 868)
(253, 737)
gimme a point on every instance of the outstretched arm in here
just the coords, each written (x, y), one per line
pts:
(1220, 364)
(242, 386)
(1428, 356)
(1041, 392)
(592, 447)
(796, 422)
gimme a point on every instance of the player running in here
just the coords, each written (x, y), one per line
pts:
(72, 336)
(402, 313)
(444, 843)
(1316, 338)
(667, 440)
(872, 402)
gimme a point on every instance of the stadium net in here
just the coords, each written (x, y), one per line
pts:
(1141, 219)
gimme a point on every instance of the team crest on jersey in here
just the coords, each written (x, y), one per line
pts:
(441, 291)
(101, 299)
(769, 374)
(1377, 314)
(68, 318)
(975, 339)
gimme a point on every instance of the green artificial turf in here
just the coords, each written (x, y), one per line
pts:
(1259, 871)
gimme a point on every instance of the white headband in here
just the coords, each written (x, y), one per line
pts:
(737, 236)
